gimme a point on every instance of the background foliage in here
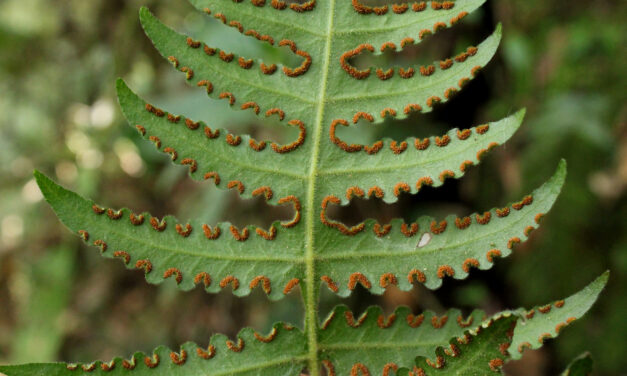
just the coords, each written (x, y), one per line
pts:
(58, 62)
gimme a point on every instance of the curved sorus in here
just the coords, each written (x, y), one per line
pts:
(227, 58)
(159, 226)
(268, 69)
(388, 279)
(289, 286)
(184, 233)
(213, 175)
(173, 154)
(245, 64)
(543, 337)
(438, 323)
(491, 254)
(538, 217)
(424, 33)
(523, 346)
(265, 191)
(529, 315)
(193, 165)
(396, 148)
(464, 323)
(282, 149)
(439, 359)
(475, 71)
(354, 191)
(376, 191)
(450, 92)
(463, 135)
(337, 141)
(236, 348)
(129, 364)
(482, 129)
(230, 96)
(416, 275)
(103, 246)
(409, 231)
(252, 105)
(432, 101)
(141, 130)
(189, 73)
(374, 149)
(458, 18)
(495, 364)
(192, 125)
(156, 140)
(304, 66)
(483, 219)
(381, 231)
(123, 255)
(438, 26)
(229, 279)
(267, 339)
(240, 237)
(400, 188)
(204, 278)
(180, 358)
(108, 366)
(256, 146)
(513, 241)
(350, 231)
(206, 354)
(559, 327)
(236, 184)
(329, 367)
(446, 64)
(113, 214)
(365, 9)
(446, 174)
(445, 270)
(424, 181)
(527, 200)
(89, 367)
(269, 235)
(528, 230)
(384, 323)
(407, 40)
(154, 110)
(462, 223)
(415, 321)
(545, 309)
(502, 213)
(559, 304)
(412, 107)
(297, 207)
(206, 83)
(384, 75)
(152, 362)
(388, 111)
(436, 228)
(350, 319)
(144, 264)
(276, 111)
(84, 235)
(390, 368)
(470, 263)
(265, 283)
(442, 141)
(330, 283)
(173, 271)
(351, 70)
(427, 71)
(408, 73)
(358, 277)
(211, 234)
(174, 60)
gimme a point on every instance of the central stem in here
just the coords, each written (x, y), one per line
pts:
(312, 286)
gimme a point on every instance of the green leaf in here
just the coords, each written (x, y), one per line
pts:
(183, 259)
(580, 366)
(480, 352)
(280, 352)
(316, 170)
(380, 342)
(545, 322)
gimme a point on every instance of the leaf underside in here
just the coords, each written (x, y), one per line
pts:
(310, 173)
(372, 342)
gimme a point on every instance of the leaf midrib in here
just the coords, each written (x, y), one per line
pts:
(310, 296)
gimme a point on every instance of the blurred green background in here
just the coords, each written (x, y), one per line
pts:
(562, 60)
